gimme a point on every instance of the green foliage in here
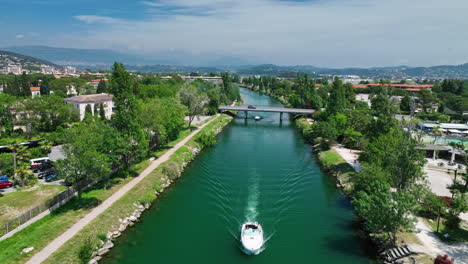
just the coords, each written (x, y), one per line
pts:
(193, 100)
(337, 102)
(92, 149)
(65, 85)
(126, 120)
(50, 112)
(207, 139)
(384, 212)
(102, 87)
(86, 250)
(433, 117)
(397, 153)
(405, 104)
(164, 116)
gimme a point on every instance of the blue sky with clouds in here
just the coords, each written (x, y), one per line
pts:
(333, 33)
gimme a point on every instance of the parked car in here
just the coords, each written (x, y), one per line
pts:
(36, 162)
(43, 167)
(52, 177)
(4, 185)
(46, 173)
(251, 107)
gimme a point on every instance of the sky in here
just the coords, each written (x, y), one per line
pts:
(325, 33)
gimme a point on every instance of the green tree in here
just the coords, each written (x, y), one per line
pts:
(102, 112)
(384, 212)
(164, 117)
(337, 101)
(405, 104)
(47, 113)
(102, 87)
(126, 120)
(399, 154)
(426, 99)
(193, 100)
(6, 115)
(25, 86)
(82, 165)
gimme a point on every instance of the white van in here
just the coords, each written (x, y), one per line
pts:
(38, 161)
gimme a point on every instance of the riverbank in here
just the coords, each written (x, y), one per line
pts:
(144, 192)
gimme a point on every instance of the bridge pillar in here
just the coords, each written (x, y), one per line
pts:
(281, 116)
(246, 114)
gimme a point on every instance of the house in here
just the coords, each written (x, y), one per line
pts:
(81, 101)
(35, 91)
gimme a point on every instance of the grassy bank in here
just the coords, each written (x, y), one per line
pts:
(14, 204)
(338, 167)
(40, 233)
(144, 192)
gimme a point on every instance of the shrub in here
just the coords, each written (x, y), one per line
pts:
(102, 237)
(86, 250)
(172, 170)
(452, 221)
(207, 139)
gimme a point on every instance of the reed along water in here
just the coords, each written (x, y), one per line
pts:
(258, 171)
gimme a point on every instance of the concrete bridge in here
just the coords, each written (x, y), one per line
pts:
(280, 110)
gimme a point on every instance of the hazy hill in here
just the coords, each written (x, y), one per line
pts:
(26, 62)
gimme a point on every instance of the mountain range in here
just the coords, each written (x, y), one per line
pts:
(179, 61)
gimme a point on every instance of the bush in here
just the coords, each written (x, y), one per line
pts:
(207, 139)
(86, 250)
(172, 170)
(102, 237)
(452, 221)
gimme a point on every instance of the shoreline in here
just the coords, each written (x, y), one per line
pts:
(124, 211)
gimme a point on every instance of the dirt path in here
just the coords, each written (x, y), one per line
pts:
(436, 247)
(46, 252)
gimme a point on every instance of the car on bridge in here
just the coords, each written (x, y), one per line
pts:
(251, 107)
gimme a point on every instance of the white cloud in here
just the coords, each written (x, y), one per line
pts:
(326, 33)
(91, 19)
(19, 36)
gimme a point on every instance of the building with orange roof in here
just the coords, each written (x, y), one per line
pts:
(35, 91)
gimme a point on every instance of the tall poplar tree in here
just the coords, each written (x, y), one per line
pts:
(337, 101)
(125, 119)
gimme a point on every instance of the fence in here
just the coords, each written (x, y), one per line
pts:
(51, 204)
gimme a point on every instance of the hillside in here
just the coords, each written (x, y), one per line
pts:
(26, 62)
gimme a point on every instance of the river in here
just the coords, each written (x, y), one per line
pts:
(259, 170)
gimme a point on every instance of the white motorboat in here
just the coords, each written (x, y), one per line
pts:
(257, 118)
(252, 237)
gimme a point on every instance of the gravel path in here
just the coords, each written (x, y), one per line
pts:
(436, 247)
(46, 252)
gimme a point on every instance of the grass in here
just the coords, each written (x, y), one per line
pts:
(143, 192)
(16, 203)
(40, 233)
(332, 161)
(455, 235)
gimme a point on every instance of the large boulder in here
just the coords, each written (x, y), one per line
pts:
(102, 251)
(108, 245)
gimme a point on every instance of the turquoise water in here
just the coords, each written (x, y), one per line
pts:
(259, 171)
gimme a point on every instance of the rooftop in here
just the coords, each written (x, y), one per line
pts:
(90, 98)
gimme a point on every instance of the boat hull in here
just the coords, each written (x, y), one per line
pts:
(252, 238)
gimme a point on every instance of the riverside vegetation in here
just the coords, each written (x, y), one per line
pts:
(390, 190)
(149, 119)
